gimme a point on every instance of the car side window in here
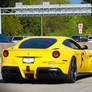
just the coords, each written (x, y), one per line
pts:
(67, 43)
(72, 44)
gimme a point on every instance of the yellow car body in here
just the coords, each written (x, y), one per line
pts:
(53, 61)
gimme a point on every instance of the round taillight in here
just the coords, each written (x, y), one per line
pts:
(5, 53)
(56, 54)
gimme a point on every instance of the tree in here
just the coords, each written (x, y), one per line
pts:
(8, 3)
(87, 1)
(31, 25)
(52, 25)
(89, 31)
(11, 26)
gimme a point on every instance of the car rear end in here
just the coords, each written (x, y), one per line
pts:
(38, 58)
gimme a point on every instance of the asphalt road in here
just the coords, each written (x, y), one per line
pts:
(83, 84)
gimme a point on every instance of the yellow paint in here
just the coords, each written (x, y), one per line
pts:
(44, 58)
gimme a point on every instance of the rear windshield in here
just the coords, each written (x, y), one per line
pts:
(90, 37)
(37, 43)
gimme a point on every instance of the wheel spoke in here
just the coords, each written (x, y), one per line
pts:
(73, 70)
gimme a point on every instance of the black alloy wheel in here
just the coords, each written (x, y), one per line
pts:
(72, 75)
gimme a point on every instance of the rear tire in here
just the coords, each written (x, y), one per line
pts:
(72, 75)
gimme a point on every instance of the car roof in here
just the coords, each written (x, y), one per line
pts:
(55, 37)
(63, 37)
(59, 39)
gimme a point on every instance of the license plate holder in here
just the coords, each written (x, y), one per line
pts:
(28, 60)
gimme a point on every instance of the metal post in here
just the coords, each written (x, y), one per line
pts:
(41, 21)
(41, 25)
(0, 22)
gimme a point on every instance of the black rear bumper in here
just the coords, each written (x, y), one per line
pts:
(10, 72)
(50, 73)
(42, 73)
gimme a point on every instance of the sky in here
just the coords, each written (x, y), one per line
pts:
(75, 1)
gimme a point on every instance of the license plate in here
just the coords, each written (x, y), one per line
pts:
(28, 60)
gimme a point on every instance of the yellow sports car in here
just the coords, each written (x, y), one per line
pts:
(46, 57)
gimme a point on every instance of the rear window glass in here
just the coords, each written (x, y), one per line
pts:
(90, 37)
(37, 43)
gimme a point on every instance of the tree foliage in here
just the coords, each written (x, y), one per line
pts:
(31, 25)
(52, 25)
(11, 25)
(87, 1)
(89, 31)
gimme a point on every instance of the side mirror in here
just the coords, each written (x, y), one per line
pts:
(84, 47)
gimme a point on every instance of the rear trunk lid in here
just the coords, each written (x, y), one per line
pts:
(39, 53)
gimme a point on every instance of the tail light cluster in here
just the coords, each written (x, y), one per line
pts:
(56, 54)
(5, 53)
